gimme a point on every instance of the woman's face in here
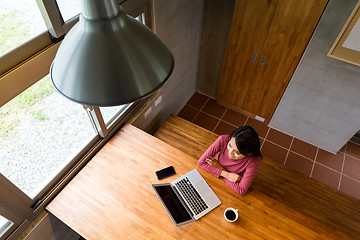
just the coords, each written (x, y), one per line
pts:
(233, 150)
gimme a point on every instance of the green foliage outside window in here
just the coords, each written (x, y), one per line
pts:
(13, 31)
(14, 111)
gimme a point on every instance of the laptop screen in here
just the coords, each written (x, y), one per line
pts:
(172, 203)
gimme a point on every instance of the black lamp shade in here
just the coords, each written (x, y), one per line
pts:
(110, 61)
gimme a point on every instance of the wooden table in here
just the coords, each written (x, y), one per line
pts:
(112, 198)
(312, 198)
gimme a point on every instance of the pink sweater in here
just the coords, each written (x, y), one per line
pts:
(246, 167)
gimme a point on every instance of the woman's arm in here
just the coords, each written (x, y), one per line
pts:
(232, 177)
(242, 186)
(214, 149)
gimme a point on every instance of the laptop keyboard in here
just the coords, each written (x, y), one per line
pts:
(193, 198)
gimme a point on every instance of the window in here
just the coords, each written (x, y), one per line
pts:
(4, 225)
(41, 131)
(43, 135)
(111, 113)
(69, 8)
(20, 21)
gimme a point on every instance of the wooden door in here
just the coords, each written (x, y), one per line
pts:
(250, 24)
(291, 28)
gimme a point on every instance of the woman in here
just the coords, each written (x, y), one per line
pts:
(235, 157)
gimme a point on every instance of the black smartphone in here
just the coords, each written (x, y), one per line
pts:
(166, 172)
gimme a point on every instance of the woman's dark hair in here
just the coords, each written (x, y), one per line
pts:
(247, 141)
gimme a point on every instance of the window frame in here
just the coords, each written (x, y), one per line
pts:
(15, 219)
(21, 68)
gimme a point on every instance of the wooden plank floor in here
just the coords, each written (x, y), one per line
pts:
(308, 196)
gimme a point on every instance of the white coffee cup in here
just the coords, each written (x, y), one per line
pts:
(231, 214)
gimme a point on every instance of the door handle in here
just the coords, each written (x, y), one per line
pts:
(254, 57)
(263, 59)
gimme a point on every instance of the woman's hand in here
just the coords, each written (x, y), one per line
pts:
(213, 162)
(232, 177)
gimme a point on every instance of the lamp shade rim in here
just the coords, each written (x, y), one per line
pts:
(117, 102)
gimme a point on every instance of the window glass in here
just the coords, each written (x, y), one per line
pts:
(20, 20)
(140, 18)
(40, 132)
(4, 225)
(111, 113)
(69, 8)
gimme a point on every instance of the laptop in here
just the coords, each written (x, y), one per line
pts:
(188, 198)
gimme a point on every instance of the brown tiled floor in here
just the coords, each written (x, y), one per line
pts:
(340, 171)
